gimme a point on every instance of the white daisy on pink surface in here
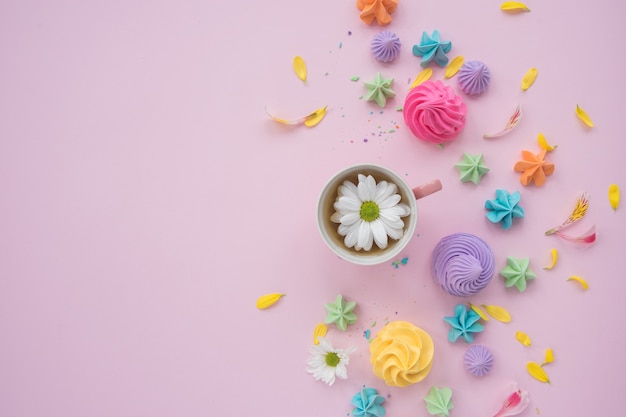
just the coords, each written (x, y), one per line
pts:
(369, 213)
(326, 362)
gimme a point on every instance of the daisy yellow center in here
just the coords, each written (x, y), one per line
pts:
(332, 359)
(369, 211)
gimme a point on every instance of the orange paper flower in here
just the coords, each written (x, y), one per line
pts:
(534, 168)
(376, 9)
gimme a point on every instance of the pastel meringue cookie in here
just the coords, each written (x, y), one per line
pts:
(478, 360)
(379, 10)
(434, 113)
(462, 264)
(473, 77)
(385, 46)
(401, 354)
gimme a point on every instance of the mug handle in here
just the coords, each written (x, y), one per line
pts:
(427, 189)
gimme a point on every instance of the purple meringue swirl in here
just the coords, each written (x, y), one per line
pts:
(478, 360)
(463, 264)
(474, 77)
(385, 46)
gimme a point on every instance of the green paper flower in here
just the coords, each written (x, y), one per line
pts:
(439, 401)
(341, 313)
(517, 273)
(472, 168)
(379, 90)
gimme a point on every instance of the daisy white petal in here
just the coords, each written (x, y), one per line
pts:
(379, 233)
(352, 235)
(390, 201)
(365, 234)
(394, 233)
(346, 204)
(350, 218)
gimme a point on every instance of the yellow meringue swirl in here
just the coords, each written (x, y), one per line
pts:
(401, 354)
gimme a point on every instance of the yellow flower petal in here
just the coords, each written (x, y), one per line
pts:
(580, 280)
(543, 143)
(268, 300)
(614, 196)
(315, 117)
(536, 371)
(529, 78)
(549, 357)
(479, 311)
(424, 75)
(498, 313)
(514, 6)
(299, 67)
(454, 66)
(320, 331)
(583, 116)
(523, 338)
(555, 256)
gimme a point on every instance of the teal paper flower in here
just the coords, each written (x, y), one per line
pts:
(464, 323)
(504, 208)
(341, 313)
(379, 90)
(367, 403)
(432, 48)
(472, 168)
(517, 273)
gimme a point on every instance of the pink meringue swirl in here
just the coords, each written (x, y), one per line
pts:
(434, 113)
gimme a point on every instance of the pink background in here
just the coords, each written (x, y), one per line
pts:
(147, 201)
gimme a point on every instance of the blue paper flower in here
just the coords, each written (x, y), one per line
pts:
(504, 208)
(464, 323)
(432, 48)
(367, 403)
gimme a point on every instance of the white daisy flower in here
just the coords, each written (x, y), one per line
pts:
(369, 213)
(327, 362)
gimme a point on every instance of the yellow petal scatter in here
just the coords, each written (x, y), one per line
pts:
(424, 75)
(583, 116)
(268, 300)
(529, 78)
(299, 67)
(523, 338)
(581, 281)
(498, 313)
(479, 311)
(555, 257)
(614, 196)
(514, 6)
(320, 331)
(454, 66)
(543, 143)
(549, 357)
(536, 371)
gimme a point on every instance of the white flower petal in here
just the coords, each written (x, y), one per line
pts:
(393, 232)
(341, 371)
(379, 233)
(349, 190)
(346, 205)
(399, 210)
(365, 238)
(350, 218)
(390, 201)
(385, 191)
(391, 220)
(352, 235)
(367, 188)
(336, 217)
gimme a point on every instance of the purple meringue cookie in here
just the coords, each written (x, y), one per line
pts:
(473, 77)
(478, 360)
(463, 264)
(385, 46)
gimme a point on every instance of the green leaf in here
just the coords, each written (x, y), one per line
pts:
(439, 401)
